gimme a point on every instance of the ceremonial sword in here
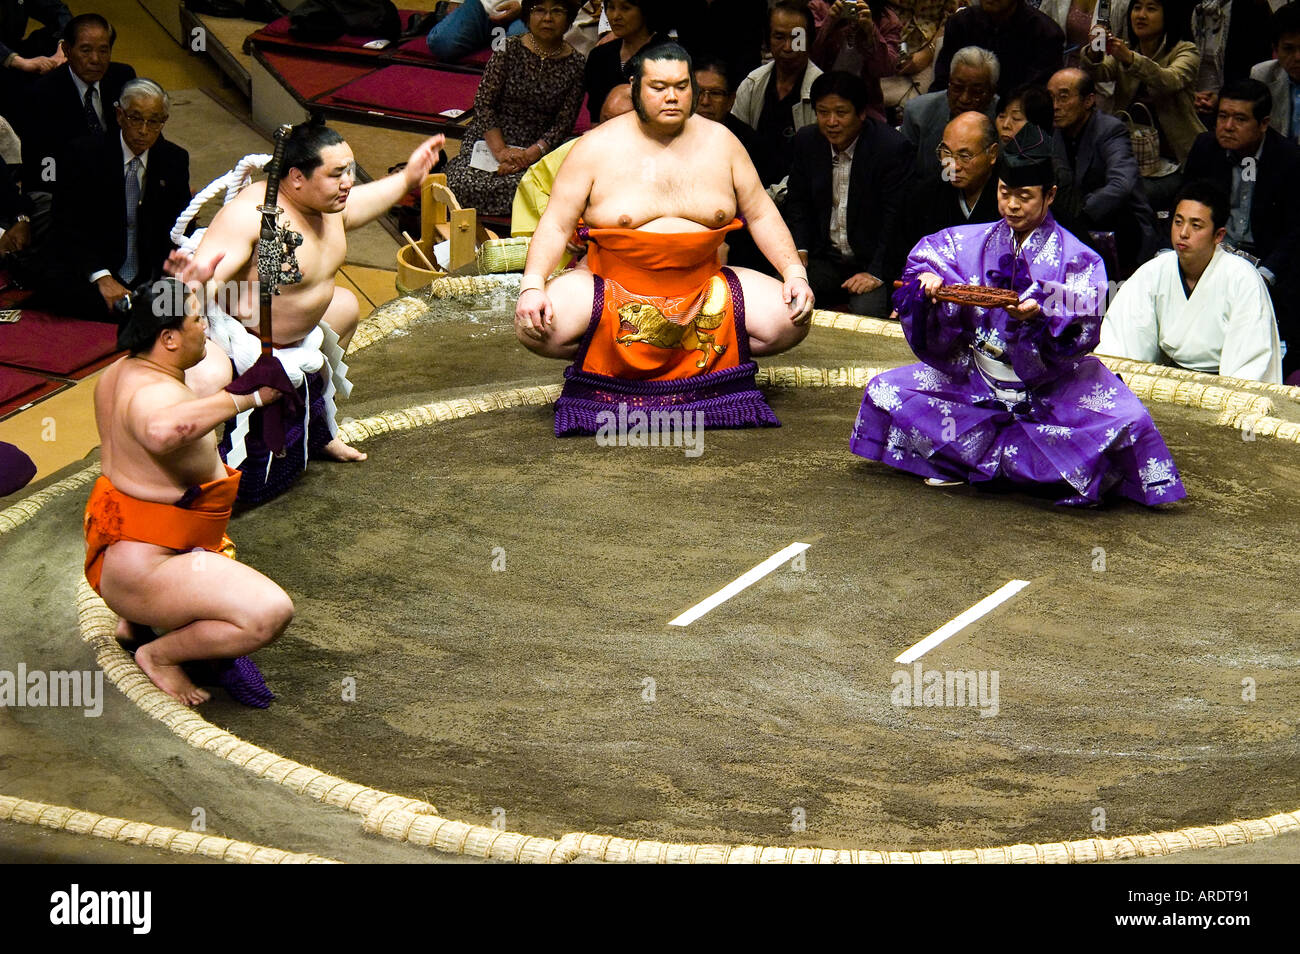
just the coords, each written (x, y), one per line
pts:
(270, 251)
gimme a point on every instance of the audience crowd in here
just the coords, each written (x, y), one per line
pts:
(1173, 136)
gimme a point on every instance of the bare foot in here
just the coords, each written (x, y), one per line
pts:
(170, 679)
(337, 450)
(123, 632)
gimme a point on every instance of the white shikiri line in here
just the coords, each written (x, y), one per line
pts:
(954, 626)
(742, 582)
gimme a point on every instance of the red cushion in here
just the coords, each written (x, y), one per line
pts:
(415, 91)
(310, 76)
(60, 346)
(18, 388)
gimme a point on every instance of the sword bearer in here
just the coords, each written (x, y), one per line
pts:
(287, 238)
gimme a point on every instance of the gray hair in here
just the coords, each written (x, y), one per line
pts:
(141, 88)
(980, 59)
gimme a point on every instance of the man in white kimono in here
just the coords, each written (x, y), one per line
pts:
(1199, 306)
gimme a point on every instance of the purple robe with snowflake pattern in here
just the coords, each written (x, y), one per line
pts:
(1067, 422)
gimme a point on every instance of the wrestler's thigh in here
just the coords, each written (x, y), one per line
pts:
(343, 311)
(767, 317)
(570, 295)
(211, 374)
(167, 590)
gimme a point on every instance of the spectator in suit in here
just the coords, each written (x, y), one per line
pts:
(15, 216)
(1029, 45)
(1100, 189)
(1259, 171)
(847, 182)
(775, 100)
(1282, 73)
(973, 78)
(132, 185)
(963, 193)
(71, 101)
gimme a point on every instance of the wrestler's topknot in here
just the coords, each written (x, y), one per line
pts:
(152, 307)
(303, 147)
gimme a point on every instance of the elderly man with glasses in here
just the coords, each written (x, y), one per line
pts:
(974, 77)
(130, 186)
(963, 192)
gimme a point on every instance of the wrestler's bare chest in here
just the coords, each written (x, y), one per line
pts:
(124, 459)
(652, 183)
(305, 256)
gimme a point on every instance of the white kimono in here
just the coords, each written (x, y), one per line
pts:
(1226, 326)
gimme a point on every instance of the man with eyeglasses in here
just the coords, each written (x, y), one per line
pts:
(1029, 43)
(963, 193)
(975, 73)
(119, 199)
(716, 95)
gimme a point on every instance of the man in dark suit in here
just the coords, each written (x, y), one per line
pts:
(115, 209)
(72, 101)
(1100, 189)
(1259, 170)
(847, 182)
(963, 192)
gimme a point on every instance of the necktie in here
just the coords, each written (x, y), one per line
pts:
(131, 264)
(92, 117)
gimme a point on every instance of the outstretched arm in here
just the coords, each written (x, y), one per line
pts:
(163, 426)
(368, 202)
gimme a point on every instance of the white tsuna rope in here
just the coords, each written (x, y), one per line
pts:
(232, 181)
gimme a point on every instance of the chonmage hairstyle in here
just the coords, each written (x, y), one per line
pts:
(302, 149)
(669, 52)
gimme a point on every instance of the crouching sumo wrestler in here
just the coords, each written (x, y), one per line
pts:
(652, 321)
(155, 524)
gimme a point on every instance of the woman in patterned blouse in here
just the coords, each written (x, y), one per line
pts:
(526, 105)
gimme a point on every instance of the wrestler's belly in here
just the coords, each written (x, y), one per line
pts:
(294, 313)
(197, 464)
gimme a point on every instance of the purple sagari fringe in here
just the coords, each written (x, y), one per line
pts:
(243, 680)
(725, 398)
